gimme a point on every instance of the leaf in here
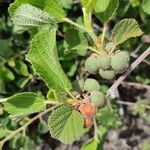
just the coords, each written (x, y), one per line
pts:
(107, 15)
(27, 16)
(6, 75)
(101, 5)
(24, 104)
(52, 7)
(109, 119)
(66, 124)
(3, 132)
(44, 58)
(124, 30)
(76, 40)
(146, 6)
(67, 4)
(90, 145)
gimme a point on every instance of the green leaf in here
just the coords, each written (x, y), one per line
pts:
(52, 7)
(44, 58)
(27, 16)
(67, 3)
(90, 145)
(6, 75)
(3, 132)
(125, 29)
(101, 5)
(146, 6)
(66, 124)
(107, 118)
(107, 15)
(76, 40)
(24, 103)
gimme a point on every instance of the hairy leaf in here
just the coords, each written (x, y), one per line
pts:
(23, 104)
(44, 58)
(76, 40)
(66, 124)
(27, 16)
(52, 7)
(101, 5)
(124, 30)
(107, 15)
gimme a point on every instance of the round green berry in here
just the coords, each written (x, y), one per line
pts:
(91, 85)
(103, 62)
(98, 99)
(90, 64)
(109, 46)
(120, 61)
(107, 74)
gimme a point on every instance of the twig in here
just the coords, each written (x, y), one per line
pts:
(137, 85)
(112, 89)
(131, 104)
(26, 125)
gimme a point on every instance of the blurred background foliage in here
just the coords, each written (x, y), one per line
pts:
(17, 75)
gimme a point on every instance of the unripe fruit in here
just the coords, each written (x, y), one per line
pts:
(120, 61)
(103, 62)
(87, 110)
(107, 74)
(109, 46)
(98, 99)
(90, 64)
(91, 85)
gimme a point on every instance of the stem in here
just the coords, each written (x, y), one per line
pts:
(26, 125)
(75, 24)
(87, 17)
(95, 130)
(93, 49)
(103, 34)
(111, 90)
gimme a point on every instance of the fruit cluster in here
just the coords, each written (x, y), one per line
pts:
(97, 98)
(107, 65)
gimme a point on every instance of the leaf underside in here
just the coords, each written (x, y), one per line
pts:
(27, 16)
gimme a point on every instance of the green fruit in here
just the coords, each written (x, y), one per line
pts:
(120, 61)
(109, 46)
(90, 64)
(107, 74)
(91, 85)
(103, 62)
(98, 99)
